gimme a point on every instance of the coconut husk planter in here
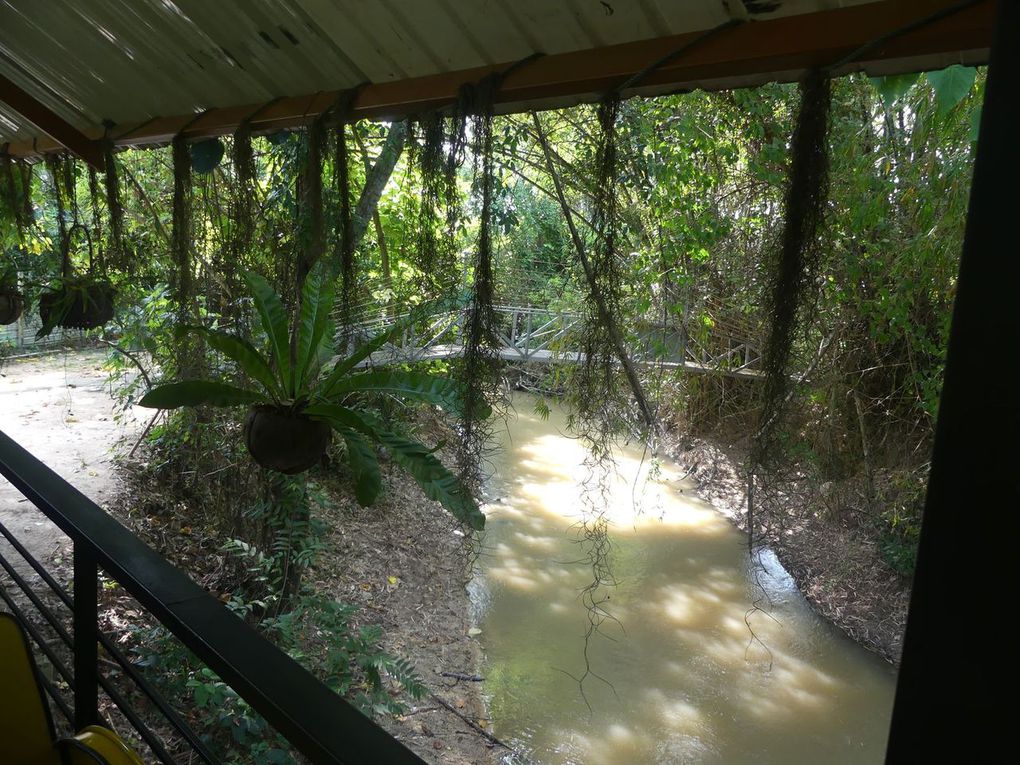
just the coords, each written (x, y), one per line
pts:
(12, 303)
(83, 303)
(77, 302)
(280, 439)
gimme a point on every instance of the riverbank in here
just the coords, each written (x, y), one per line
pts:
(406, 564)
(838, 568)
(403, 563)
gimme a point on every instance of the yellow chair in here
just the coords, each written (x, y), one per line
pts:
(27, 736)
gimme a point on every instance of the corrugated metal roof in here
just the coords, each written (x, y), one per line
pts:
(132, 60)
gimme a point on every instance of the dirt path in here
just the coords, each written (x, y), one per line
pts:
(57, 407)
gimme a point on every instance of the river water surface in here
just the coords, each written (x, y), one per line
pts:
(684, 681)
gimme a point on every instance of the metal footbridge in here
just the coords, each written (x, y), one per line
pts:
(544, 336)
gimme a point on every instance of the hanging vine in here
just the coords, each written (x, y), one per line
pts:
(481, 365)
(345, 230)
(98, 266)
(116, 243)
(188, 352)
(242, 154)
(456, 146)
(182, 228)
(61, 174)
(311, 242)
(436, 257)
(598, 395)
(16, 191)
(789, 277)
(600, 408)
(343, 236)
(597, 398)
(234, 258)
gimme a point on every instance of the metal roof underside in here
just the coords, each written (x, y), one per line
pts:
(131, 61)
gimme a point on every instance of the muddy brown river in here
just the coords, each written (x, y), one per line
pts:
(682, 679)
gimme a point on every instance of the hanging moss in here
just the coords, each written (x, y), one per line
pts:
(232, 261)
(598, 396)
(16, 192)
(599, 405)
(181, 283)
(792, 272)
(61, 176)
(115, 210)
(343, 238)
(456, 145)
(96, 235)
(343, 234)
(9, 187)
(81, 298)
(481, 364)
(436, 254)
(243, 190)
(311, 243)
(27, 210)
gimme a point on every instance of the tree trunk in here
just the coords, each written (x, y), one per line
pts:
(605, 315)
(377, 177)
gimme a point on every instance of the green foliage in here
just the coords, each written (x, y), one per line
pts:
(318, 632)
(321, 635)
(951, 86)
(898, 543)
(274, 321)
(353, 664)
(198, 393)
(364, 466)
(699, 190)
(899, 523)
(894, 87)
(429, 473)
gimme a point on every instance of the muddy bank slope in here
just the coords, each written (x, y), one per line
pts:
(837, 567)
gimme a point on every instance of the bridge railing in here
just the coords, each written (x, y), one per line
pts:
(531, 333)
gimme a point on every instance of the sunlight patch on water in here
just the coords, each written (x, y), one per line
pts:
(685, 679)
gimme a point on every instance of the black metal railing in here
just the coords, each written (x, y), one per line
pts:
(315, 720)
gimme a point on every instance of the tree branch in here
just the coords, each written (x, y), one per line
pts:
(605, 315)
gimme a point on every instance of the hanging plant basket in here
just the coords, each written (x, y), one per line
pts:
(78, 303)
(12, 303)
(281, 439)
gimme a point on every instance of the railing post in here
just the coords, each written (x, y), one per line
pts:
(86, 638)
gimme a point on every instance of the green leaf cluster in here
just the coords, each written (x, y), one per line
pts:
(291, 375)
(320, 634)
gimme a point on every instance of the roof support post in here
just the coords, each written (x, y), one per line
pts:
(55, 126)
(957, 644)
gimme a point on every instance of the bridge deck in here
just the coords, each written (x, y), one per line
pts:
(435, 352)
(528, 334)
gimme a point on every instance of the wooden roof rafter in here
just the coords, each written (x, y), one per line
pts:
(61, 132)
(775, 49)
